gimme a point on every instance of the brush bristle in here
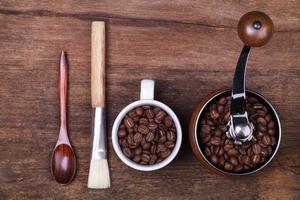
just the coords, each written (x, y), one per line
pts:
(99, 174)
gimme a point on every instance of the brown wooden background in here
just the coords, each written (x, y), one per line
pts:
(189, 47)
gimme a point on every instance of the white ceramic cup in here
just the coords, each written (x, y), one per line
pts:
(146, 98)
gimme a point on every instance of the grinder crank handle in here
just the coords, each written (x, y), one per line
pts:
(255, 29)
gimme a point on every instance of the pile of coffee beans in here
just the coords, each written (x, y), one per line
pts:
(147, 135)
(222, 151)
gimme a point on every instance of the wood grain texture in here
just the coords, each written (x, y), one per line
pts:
(189, 47)
(98, 64)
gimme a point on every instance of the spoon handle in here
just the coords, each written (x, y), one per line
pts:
(63, 85)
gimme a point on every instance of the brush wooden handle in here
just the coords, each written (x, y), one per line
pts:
(98, 64)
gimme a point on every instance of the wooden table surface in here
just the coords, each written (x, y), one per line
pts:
(189, 47)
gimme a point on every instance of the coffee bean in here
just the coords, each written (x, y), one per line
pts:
(143, 121)
(218, 132)
(149, 137)
(124, 143)
(238, 168)
(234, 161)
(256, 149)
(264, 152)
(160, 115)
(273, 141)
(233, 152)
(228, 166)
(127, 152)
(266, 140)
(255, 159)
(143, 129)
(149, 113)
(128, 122)
(138, 151)
(214, 159)
(246, 160)
(162, 127)
(156, 110)
(222, 101)
(152, 126)
(168, 121)
(130, 139)
(261, 121)
(221, 160)
(138, 138)
(220, 108)
(171, 136)
(161, 147)
(165, 154)
(205, 129)
(261, 128)
(205, 139)
(170, 144)
(153, 159)
(227, 147)
(207, 151)
(139, 111)
(146, 146)
(137, 158)
(271, 132)
(145, 158)
(214, 114)
(215, 141)
(132, 114)
(122, 133)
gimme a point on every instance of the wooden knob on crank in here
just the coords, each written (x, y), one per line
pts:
(255, 28)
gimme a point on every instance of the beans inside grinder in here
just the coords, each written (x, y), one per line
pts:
(221, 150)
(147, 135)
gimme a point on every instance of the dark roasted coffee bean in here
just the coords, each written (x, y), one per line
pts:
(205, 139)
(221, 151)
(136, 119)
(132, 114)
(260, 142)
(256, 149)
(127, 152)
(234, 161)
(273, 141)
(271, 132)
(171, 136)
(207, 151)
(153, 148)
(222, 101)
(146, 146)
(218, 132)
(260, 134)
(214, 114)
(149, 113)
(242, 151)
(238, 168)
(156, 110)
(170, 144)
(168, 121)
(214, 159)
(149, 137)
(165, 154)
(246, 160)
(162, 139)
(161, 147)
(137, 158)
(255, 159)
(271, 124)
(152, 126)
(264, 152)
(261, 128)
(233, 152)
(153, 159)
(221, 161)
(228, 166)
(139, 111)
(143, 121)
(162, 127)
(215, 141)
(128, 122)
(143, 129)
(124, 143)
(146, 152)
(269, 150)
(205, 129)
(122, 133)
(262, 121)
(266, 140)
(160, 115)
(227, 147)
(145, 158)
(223, 128)
(130, 140)
(220, 108)
(137, 138)
(138, 151)
(257, 106)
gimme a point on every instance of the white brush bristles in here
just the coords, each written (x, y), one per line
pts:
(99, 174)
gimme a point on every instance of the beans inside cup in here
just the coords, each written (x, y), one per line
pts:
(221, 150)
(147, 135)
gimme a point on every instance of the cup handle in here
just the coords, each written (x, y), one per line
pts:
(147, 89)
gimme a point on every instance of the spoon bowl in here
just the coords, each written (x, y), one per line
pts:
(63, 164)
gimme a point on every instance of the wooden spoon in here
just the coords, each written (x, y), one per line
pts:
(63, 163)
